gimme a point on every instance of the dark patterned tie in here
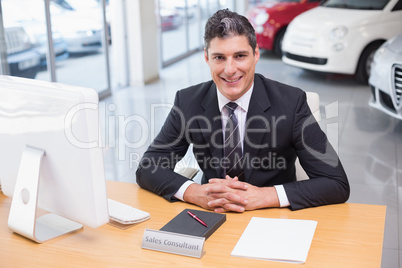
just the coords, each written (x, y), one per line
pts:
(232, 147)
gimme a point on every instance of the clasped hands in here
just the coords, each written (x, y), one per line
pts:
(230, 194)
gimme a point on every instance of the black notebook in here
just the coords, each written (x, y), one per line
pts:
(183, 223)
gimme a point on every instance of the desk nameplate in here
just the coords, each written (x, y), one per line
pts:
(175, 243)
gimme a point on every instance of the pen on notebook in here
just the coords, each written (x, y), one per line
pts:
(196, 218)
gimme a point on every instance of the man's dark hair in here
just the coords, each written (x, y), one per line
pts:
(225, 23)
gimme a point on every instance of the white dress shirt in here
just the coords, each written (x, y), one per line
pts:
(241, 115)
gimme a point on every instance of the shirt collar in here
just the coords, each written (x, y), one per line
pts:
(243, 101)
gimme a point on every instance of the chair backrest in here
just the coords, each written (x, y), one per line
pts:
(313, 101)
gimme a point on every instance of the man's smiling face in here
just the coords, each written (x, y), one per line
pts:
(232, 63)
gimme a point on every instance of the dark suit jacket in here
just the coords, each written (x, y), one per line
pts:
(279, 128)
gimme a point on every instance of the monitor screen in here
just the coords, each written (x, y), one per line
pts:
(63, 122)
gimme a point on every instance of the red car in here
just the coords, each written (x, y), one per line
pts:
(271, 19)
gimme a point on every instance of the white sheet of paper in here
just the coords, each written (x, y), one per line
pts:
(276, 239)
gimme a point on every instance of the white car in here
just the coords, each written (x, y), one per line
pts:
(386, 78)
(341, 36)
(36, 30)
(81, 32)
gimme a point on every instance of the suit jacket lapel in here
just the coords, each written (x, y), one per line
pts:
(212, 120)
(259, 104)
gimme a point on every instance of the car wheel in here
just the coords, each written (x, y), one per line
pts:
(364, 65)
(278, 42)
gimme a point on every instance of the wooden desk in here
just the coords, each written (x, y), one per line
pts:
(347, 235)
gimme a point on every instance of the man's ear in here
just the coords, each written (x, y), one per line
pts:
(257, 54)
(206, 55)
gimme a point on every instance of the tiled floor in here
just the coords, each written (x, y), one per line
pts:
(369, 142)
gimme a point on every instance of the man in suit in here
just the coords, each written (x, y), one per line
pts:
(246, 132)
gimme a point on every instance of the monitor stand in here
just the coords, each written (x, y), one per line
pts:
(23, 219)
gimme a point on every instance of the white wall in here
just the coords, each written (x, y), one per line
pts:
(135, 59)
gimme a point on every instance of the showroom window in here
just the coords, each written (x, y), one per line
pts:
(181, 26)
(78, 47)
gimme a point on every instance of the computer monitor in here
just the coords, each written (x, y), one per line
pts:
(50, 157)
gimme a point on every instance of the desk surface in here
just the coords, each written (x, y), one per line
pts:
(347, 235)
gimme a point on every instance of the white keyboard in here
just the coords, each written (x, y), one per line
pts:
(126, 214)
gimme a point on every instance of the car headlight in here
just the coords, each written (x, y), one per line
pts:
(261, 18)
(336, 36)
(85, 33)
(338, 33)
